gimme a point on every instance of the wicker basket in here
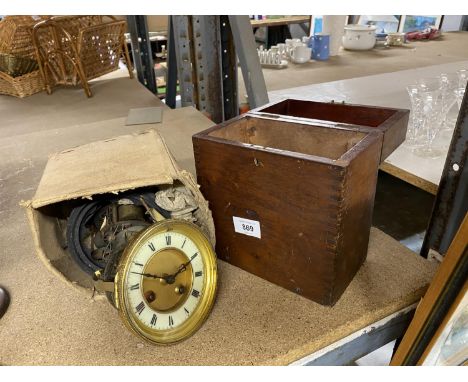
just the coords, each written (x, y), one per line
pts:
(16, 35)
(16, 66)
(76, 49)
(21, 86)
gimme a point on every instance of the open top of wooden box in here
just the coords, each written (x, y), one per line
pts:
(391, 122)
(297, 139)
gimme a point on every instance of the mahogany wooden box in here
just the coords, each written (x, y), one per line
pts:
(292, 201)
(391, 122)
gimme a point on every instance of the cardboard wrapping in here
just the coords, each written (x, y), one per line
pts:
(114, 165)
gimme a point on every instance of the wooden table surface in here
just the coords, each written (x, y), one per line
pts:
(253, 321)
(389, 90)
(280, 21)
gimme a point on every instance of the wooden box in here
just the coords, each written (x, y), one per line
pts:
(292, 201)
(391, 122)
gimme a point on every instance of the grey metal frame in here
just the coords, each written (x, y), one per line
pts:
(184, 58)
(207, 60)
(198, 56)
(451, 203)
(228, 69)
(205, 51)
(141, 51)
(246, 48)
(206, 65)
(361, 343)
(171, 74)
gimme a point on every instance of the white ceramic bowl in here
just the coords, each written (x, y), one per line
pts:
(359, 37)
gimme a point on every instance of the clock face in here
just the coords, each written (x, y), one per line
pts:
(166, 282)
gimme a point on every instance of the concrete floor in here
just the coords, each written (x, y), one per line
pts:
(20, 166)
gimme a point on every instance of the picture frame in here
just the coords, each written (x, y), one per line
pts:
(439, 313)
(384, 23)
(412, 23)
(449, 344)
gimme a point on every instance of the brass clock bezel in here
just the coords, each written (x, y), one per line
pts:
(207, 296)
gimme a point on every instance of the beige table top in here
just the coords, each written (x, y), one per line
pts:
(69, 105)
(280, 21)
(388, 89)
(252, 322)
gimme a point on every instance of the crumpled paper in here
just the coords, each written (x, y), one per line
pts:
(179, 201)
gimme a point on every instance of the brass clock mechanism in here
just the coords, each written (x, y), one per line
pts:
(149, 253)
(166, 282)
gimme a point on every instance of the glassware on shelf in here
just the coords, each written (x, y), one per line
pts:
(448, 83)
(462, 77)
(416, 118)
(435, 102)
(432, 118)
(426, 115)
(459, 93)
(428, 84)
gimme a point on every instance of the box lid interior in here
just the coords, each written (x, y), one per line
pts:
(307, 139)
(336, 112)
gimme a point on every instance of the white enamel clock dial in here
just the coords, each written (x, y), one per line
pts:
(166, 281)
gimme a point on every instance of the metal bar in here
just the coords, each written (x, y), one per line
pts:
(229, 70)
(360, 343)
(207, 60)
(132, 28)
(206, 65)
(451, 203)
(247, 52)
(171, 74)
(141, 51)
(182, 35)
(305, 28)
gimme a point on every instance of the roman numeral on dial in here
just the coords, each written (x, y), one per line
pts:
(171, 321)
(154, 319)
(183, 243)
(198, 273)
(135, 287)
(168, 240)
(140, 307)
(152, 247)
(186, 311)
(195, 293)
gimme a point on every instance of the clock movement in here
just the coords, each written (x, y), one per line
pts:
(165, 283)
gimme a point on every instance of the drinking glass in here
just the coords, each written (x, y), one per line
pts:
(462, 77)
(431, 121)
(459, 93)
(429, 84)
(416, 117)
(448, 83)
(424, 97)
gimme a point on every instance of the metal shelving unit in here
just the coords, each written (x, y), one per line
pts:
(202, 58)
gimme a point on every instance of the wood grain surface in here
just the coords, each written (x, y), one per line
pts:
(391, 122)
(314, 211)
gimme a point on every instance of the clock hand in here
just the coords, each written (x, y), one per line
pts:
(169, 278)
(182, 268)
(151, 275)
